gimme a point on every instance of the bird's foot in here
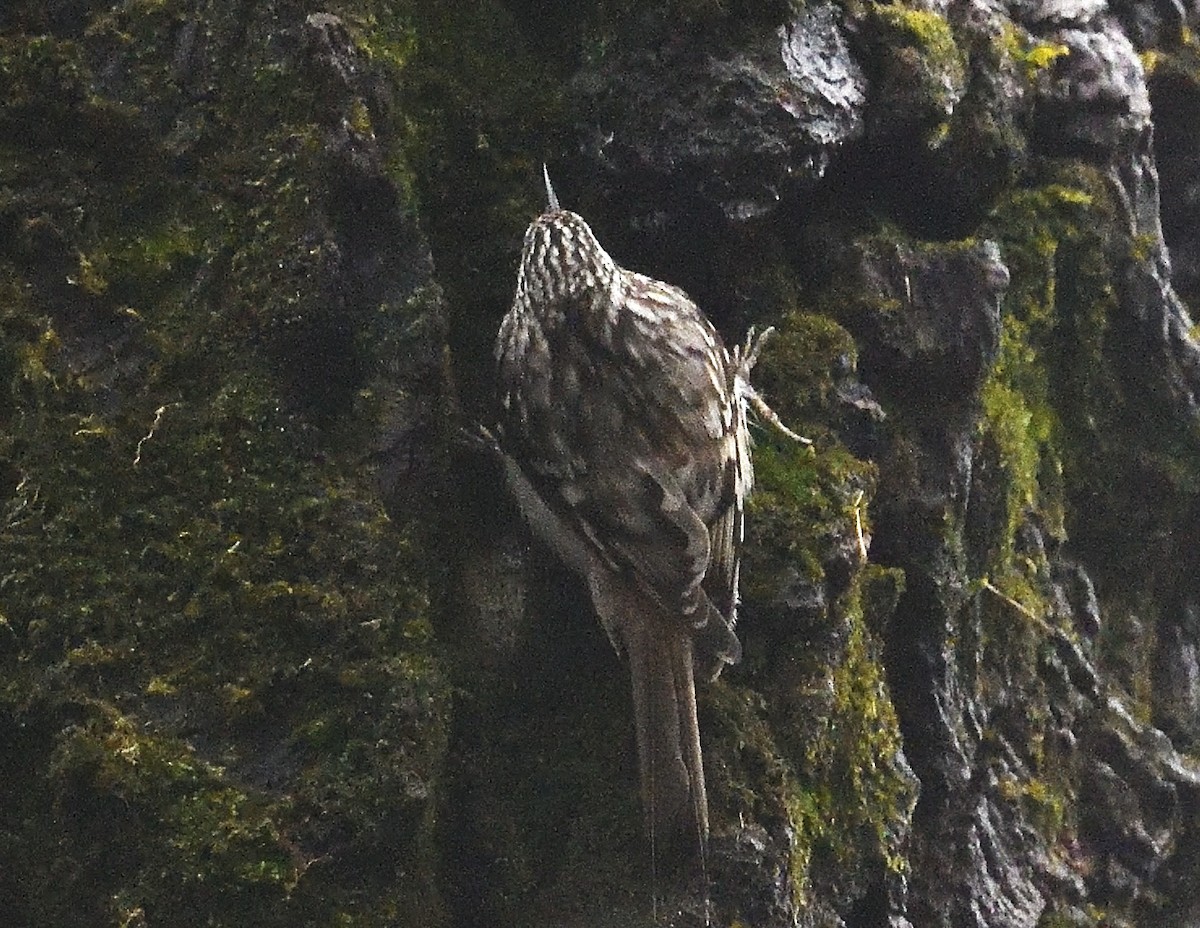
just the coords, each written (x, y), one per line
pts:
(747, 356)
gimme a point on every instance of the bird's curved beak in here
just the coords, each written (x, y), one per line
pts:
(551, 196)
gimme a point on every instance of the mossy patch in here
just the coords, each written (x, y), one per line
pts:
(1033, 55)
(219, 664)
(820, 748)
(820, 725)
(922, 70)
(221, 586)
(807, 357)
(860, 800)
(1019, 421)
(1071, 368)
(1058, 427)
(1023, 395)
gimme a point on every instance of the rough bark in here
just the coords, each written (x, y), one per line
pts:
(275, 651)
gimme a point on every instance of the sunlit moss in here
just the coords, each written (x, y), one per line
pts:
(1018, 418)
(921, 62)
(851, 801)
(1033, 55)
(1043, 54)
(382, 31)
(833, 738)
(1022, 395)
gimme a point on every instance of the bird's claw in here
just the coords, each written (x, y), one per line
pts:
(747, 357)
(753, 347)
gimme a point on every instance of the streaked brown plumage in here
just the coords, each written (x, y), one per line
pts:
(625, 443)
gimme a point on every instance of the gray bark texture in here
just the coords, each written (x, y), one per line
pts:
(277, 649)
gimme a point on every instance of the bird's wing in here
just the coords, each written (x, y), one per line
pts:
(703, 410)
(631, 436)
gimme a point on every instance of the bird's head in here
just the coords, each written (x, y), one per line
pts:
(561, 258)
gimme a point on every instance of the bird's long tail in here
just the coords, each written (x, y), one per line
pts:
(668, 736)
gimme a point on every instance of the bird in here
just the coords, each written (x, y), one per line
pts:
(624, 441)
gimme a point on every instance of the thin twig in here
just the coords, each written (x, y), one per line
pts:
(766, 412)
(158, 417)
(746, 357)
(1023, 609)
(862, 542)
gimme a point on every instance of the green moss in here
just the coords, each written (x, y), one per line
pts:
(204, 831)
(1020, 422)
(921, 28)
(816, 741)
(755, 779)
(1044, 805)
(801, 365)
(1178, 62)
(29, 66)
(383, 32)
(188, 554)
(280, 636)
(1032, 55)
(849, 803)
(1059, 429)
(803, 494)
(1067, 370)
(1022, 396)
(865, 739)
(800, 501)
(824, 729)
(922, 66)
(1043, 54)
(1024, 441)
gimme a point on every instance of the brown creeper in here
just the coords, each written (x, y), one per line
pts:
(625, 444)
